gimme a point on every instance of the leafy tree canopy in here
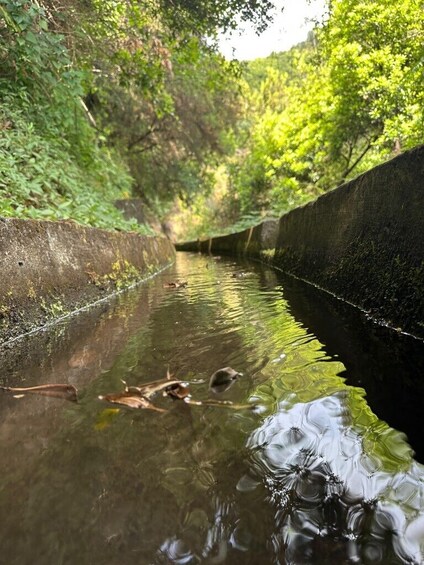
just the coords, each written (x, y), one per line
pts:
(209, 15)
(137, 91)
(348, 98)
(139, 80)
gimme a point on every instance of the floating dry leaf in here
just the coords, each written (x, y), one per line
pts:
(179, 391)
(175, 284)
(150, 389)
(222, 379)
(131, 400)
(140, 396)
(67, 392)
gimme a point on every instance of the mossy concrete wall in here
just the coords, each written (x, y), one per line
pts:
(364, 242)
(48, 269)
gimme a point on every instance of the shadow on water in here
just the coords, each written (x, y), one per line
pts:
(312, 475)
(389, 365)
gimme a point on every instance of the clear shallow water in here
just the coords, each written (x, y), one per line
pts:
(312, 475)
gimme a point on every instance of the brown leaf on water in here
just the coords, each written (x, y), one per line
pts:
(131, 401)
(173, 388)
(150, 389)
(67, 392)
(175, 284)
(179, 391)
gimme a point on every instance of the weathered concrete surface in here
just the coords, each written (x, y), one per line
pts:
(258, 241)
(48, 269)
(364, 242)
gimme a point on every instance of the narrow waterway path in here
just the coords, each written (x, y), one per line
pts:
(318, 467)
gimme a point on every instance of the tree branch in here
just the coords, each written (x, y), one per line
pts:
(144, 149)
(152, 129)
(357, 160)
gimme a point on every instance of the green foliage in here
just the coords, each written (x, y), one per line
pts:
(348, 98)
(206, 16)
(41, 179)
(106, 98)
(273, 171)
(93, 92)
(169, 142)
(30, 53)
(375, 55)
(51, 166)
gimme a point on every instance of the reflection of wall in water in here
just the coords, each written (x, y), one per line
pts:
(388, 365)
(76, 352)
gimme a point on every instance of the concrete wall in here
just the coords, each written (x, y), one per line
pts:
(258, 241)
(50, 268)
(363, 241)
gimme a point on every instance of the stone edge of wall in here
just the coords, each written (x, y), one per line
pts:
(258, 241)
(50, 269)
(362, 242)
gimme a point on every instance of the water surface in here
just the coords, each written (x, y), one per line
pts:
(318, 469)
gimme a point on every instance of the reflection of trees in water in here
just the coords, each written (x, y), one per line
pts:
(320, 481)
(327, 499)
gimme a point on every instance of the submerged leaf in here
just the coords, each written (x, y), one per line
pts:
(67, 392)
(220, 404)
(105, 418)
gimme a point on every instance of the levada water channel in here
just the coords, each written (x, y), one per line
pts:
(311, 456)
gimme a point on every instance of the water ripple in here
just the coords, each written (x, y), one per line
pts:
(310, 476)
